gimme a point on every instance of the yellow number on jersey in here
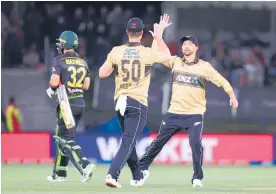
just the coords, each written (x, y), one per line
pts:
(134, 74)
(74, 83)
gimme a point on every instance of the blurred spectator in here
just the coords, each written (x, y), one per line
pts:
(115, 19)
(31, 57)
(13, 116)
(90, 27)
(56, 20)
(6, 8)
(5, 26)
(128, 14)
(237, 73)
(103, 15)
(100, 50)
(32, 24)
(13, 47)
(79, 21)
(91, 12)
(3, 122)
(82, 51)
(115, 38)
(259, 53)
(150, 17)
(104, 28)
(90, 22)
(3, 62)
(219, 61)
(255, 71)
(272, 70)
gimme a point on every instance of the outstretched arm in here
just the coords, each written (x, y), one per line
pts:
(220, 81)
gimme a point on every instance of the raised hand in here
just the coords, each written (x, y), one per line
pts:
(164, 21)
(157, 31)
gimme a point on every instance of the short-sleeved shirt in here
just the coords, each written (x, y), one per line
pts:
(189, 84)
(132, 63)
(72, 71)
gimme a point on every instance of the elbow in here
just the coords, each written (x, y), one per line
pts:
(102, 74)
(53, 84)
(85, 88)
(168, 52)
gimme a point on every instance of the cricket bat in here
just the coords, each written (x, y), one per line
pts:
(65, 107)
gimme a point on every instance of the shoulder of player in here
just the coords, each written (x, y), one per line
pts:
(84, 61)
(116, 48)
(56, 60)
(176, 59)
(204, 63)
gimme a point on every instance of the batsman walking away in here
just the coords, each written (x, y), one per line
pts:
(70, 78)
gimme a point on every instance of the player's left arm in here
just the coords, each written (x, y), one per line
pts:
(86, 82)
(107, 68)
(216, 78)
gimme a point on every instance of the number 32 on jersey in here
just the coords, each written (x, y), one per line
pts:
(77, 76)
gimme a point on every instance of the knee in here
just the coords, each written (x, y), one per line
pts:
(129, 141)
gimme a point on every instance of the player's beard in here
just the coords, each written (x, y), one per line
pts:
(187, 53)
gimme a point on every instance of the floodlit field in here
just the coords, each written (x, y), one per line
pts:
(21, 179)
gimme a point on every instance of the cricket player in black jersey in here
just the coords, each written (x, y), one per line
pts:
(71, 71)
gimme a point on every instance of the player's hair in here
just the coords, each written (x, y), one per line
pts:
(11, 100)
(135, 34)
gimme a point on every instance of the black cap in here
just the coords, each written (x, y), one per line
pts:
(193, 39)
(135, 25)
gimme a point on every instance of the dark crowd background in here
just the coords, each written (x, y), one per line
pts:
(243, 58)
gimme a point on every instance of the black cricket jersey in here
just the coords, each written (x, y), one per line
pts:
(72, 71)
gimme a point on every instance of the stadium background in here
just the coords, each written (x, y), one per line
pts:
(238, 38)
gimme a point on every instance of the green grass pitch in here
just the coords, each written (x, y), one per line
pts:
(31, 179)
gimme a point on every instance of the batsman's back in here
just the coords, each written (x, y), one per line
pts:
(73, 70)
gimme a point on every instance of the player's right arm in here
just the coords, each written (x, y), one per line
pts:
(107, 68)
(169, 63)
(55, 79)
(161, 53)
(159, 48)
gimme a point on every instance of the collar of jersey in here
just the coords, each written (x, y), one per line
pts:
(133, 43)
(71, 54)
(192, 63)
